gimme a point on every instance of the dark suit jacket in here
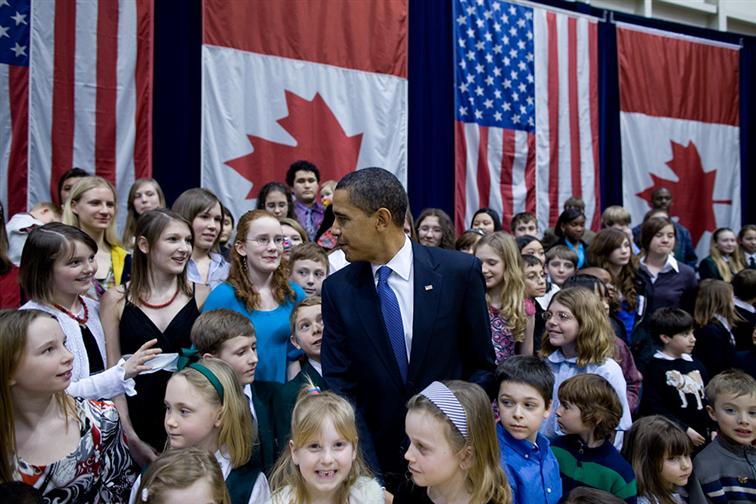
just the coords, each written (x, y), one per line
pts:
(265, 449)
(451, 339)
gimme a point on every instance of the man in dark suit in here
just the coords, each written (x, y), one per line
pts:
(444, 331)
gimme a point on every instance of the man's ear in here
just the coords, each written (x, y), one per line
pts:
(383, 218)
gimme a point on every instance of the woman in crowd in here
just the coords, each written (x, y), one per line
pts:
(145, 195)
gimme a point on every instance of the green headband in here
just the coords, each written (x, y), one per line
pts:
(188, 358)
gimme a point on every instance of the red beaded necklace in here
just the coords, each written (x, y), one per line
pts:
(81, 320)
(163, 305)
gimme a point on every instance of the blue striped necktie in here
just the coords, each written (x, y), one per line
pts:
(392, 317)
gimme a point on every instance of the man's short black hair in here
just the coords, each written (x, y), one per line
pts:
(528, 370)
(301, 165)
(669, 321)
(373, 188)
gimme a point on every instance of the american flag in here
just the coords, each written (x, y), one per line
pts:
(80, 95)
(526, 111)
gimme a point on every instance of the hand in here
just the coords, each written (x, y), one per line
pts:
(141, 452)
(694, 436)
(135, 364)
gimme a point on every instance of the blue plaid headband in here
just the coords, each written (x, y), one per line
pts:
(445, 400)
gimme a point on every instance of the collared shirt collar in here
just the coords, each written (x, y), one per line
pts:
(671, 264)
(401, 263)
(558, 357)
(524, 447)
(224, 461)
(745, 306)
(663, 356)
(248, 394)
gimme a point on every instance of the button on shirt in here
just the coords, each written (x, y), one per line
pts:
(402, 282)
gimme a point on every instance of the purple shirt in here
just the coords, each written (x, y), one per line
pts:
(309, 217)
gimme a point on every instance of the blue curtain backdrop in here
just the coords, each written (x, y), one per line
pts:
(177, 100)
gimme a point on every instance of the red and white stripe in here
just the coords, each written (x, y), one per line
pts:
(13, 139)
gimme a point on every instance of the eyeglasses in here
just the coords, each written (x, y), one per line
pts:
(430, 229)
(264, 241)
(561, 316)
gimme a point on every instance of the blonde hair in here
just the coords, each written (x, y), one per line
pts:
(296, 226)
(83, 185)
(733, 381)
(715, 297)
(726, 269)
(310, 411)
(235, 433)
(179, 469)
(513, 282)
(485, 480)
(615, 214)
(595, 337)
(131, 216)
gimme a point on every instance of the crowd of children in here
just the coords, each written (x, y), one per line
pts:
(183, 363)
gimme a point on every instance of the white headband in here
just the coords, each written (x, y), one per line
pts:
(445, 400)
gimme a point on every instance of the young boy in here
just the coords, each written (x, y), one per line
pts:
(20, 225)
(725, 471)
(524, 402)
(308, 264)
(673, 385)
(561, 263)
(524, 223)
(230, 336)
(588, 413)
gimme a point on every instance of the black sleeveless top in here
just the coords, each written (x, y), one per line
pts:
(146, 409)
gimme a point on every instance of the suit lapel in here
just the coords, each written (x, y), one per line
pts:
(427, 291)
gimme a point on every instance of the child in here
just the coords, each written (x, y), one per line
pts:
(323, 461)
(511, 325)
(747, 245)
(715, 316)
(569, 229)
(487, 220)
(580, 340)
(188, 475)
(659, 452)
(586, 495)
(467, 240)
(523, 224)
(724, 470)
(673, 385)
(524, 402)
(453, 451)
(535, 288)
(589, 412)
(20, 225)
(618, 217)
(70, 449)
(561, 263)
(530, 245)
(326, 191)
(308, 266)
(230, 337)
(724, 258)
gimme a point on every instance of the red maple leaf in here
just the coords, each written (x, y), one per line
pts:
(320, 139)
(692, 194)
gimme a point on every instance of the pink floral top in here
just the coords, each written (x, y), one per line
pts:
(501, 334)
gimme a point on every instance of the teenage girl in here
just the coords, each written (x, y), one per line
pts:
(747, 245)
(659, 452)
(205, 408)
(323, 463)
(453, 450)
(145, 195)
(158, 304)
(187, 475)
(435, 229)
(203, 211)
(579, 339)
(511, 326)
(715, 316)
(276, 199)
(570, 228)
(57, 268)
(487, 220)
(724, 260)
(70, 449)
(91, 207)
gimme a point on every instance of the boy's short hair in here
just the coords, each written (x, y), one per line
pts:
(531, 260)
(308, 251)
(310, 301)
(215, 327)
(744, 284)
(598, 402)
(561, 252)
(615, 214)
(669, 321)
(48, 205)
(574, 202)
(732, 381)
(301, 165)
(528, 370)
(521, 218)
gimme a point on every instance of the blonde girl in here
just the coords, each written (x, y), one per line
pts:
(715, 316)
(70, 449)
(579, 339)
(188, 475)
(659, 452)
(145, 195)
(323, 463)
(724, 260)
(453, 452)
(511, 326)
(91, 207)
(747, 245)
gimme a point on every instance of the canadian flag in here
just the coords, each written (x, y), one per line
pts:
(679, 119)
(321, 80)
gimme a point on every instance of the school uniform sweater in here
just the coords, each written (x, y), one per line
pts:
(602, 467)
(532, 469)
(724, 472)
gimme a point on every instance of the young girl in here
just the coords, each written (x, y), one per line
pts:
(323, 463)
(724, 260)
(453, 450)
(511, 325)
(276, 199)
(714, 316)
(747, 245)
(91, 207)
(530, 245)
(157, 304)
(70, 449)
(57, 267)
(293, 232)
(487, 220)
(535, 287)
(203, 211)
(580, 340)
(258, 288)
(570, 228)
(145, 195)
(659, 452)
(434, 229)
(188, 475)
(326, 191)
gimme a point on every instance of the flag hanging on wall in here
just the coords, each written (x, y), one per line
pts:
(526, 136)
(323, 80)
(679, 121)
(78, 83)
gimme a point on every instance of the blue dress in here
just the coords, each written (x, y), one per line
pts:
(272, 329)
